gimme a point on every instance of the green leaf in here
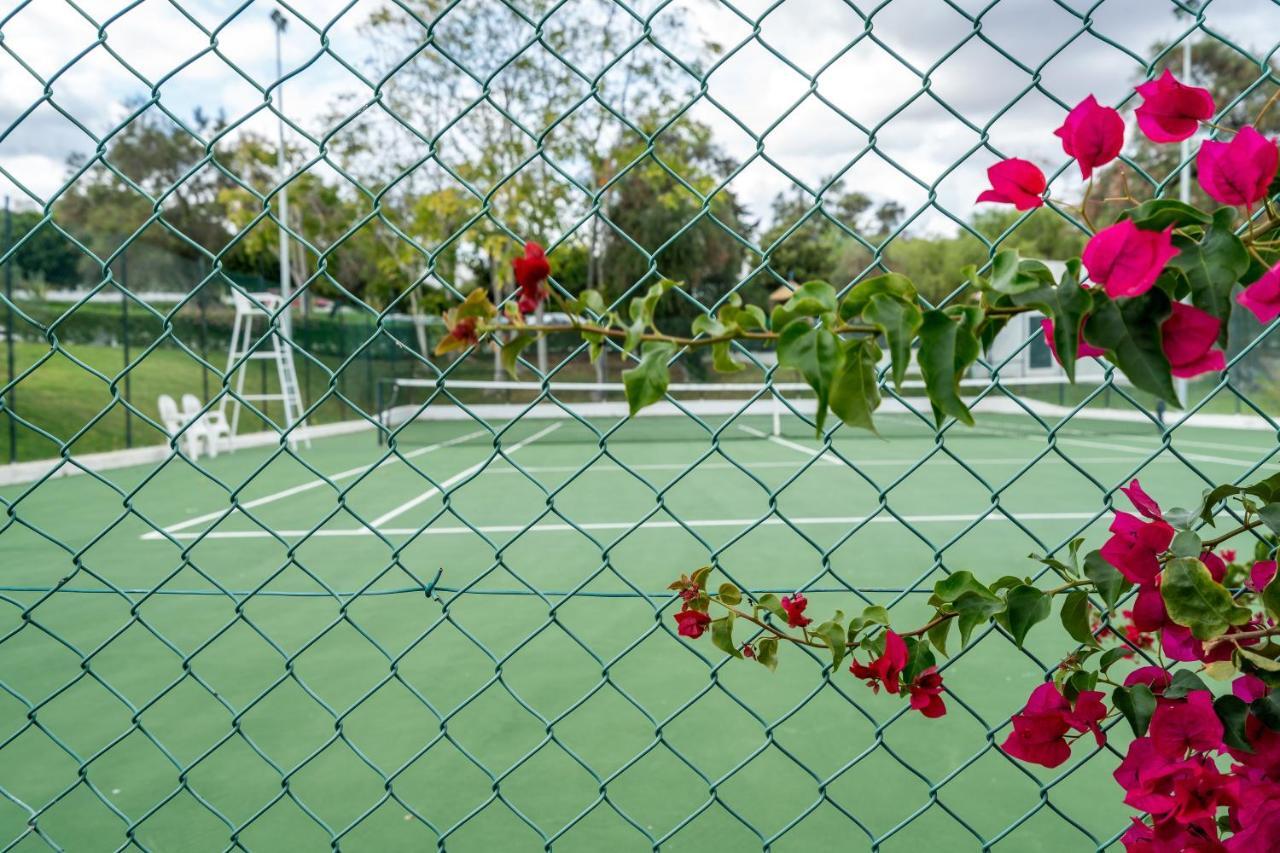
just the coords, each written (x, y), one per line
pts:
(770, 602)
(975, 609)
(1012, 275)
(1267, 709)
(1026, 606)
(1067, 304)
(817, 355)
(947, 348)
(589, 301)
(1262, 662)
(1271, 597)
(956, 584)
(919, 658)
(646, 383)
(1233, 712)
(892, 285)
(751, 317)
(1111, 585)
(511, 351)
(1270, 515)
(876, 614)
(642, 307)
(722, 635)
(1129, 330)
(811, 299)
(1266, 490)
(1158, 214)
(700, 575)
(767, 652)
(832, 633)
(1075, 618)
(730, 594)
(1186, 544)
(1184, 681)
(1111, 656)
(855, 394)
(1196, 601)
(899, 321)
(1138, 704)
(938, 635)
(1212, 267)
(722, 358)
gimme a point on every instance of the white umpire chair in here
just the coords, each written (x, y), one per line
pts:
(212, 425)
(244, 345)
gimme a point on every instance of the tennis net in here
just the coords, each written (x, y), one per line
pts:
(425, 410)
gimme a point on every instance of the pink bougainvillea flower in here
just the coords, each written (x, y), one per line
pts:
(1229, 554)
(1249, 688)
(748, 651)
(1093, 134)
(1188, 338)
(1145, 775)
(1126, 259)
(464, 331)
(1155, 677)
(1264, 761)
(885, 669)
(1190, 726)
(531, 271)
(1215, 564)
(1083, 350)
(926, 693)
(794, 607)
(1039, 729)
(1142, 501)
(1262, 298)
(1149, 613)
(1135, 546)
(1016, 182)
(1178, 643)
(1171, 111)
(1198, 792)
(1240, 171)
(1258, 817)
(692, 623)
(1261, 574)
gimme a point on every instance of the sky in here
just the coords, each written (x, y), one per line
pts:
(912, 63)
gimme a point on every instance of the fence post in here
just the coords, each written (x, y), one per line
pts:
(122, 286)
(10, 404)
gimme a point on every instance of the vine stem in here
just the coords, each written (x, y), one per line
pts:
(592, 329)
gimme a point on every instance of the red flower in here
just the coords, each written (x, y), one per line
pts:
(1155, 677)
(794, 608)
(464, 331)
(885, 669)
(1172, 111)
(1093, 134)
(1188, 338)
(690, 592)
(531, 271)
(1240, 171)
(748, 652)
(1083, 350)
(1217, 568)
(1258, 816)
(1142, 501)
(1040, 729)
(1178, 643)
(1016, 182)
(1249, 688)
(1262, 298)
(1261, 574)
(1191, 726)
(1126, 259)
(1229, 554)
(692, 623)
(926, 693)
(1135, 546)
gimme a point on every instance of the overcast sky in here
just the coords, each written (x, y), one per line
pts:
(868, 82)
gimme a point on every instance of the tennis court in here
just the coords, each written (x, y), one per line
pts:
(467, 640)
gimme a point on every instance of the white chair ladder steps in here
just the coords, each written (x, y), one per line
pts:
(278, 350)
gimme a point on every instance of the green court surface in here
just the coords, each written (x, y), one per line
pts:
(285, 676)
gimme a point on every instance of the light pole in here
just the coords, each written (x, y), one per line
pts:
(286, 325)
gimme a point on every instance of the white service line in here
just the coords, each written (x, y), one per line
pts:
(652, 524)
(313, 484)
(456, 478)
(1146, 451)
(751, 466)
(825, 455)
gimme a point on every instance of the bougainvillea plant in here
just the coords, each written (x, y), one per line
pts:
(1151, 294)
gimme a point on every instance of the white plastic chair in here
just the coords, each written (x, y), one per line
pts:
(173, 421)
(211, 426)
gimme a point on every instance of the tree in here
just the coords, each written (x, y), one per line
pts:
(821, 246)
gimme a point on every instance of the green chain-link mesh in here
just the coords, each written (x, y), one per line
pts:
(34, 626)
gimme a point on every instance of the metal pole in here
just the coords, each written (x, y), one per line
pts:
(286, 326)
(1184, 185)
(11, 404)
(124, 329)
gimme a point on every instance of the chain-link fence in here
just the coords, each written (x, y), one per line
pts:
(463, 638)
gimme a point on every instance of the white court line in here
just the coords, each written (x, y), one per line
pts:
(1146, 451)
(650, 525)
(823, 455)
(751, 466)
(456, 478)
(314, 484)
